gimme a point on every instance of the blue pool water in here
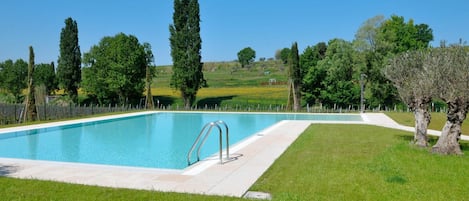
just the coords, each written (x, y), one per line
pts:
(157, 140)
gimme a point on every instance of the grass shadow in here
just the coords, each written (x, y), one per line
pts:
(163, 100)
(432, 141)
(212, 101)
(7, 170)
(464, 145)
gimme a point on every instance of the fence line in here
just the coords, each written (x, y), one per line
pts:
(11, 113)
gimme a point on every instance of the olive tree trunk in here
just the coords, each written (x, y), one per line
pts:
(448, 141)
(422, 119)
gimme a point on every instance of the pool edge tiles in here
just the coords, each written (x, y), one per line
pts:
(71, 122)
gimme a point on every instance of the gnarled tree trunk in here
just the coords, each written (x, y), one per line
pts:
(448, 141)
(422, 119)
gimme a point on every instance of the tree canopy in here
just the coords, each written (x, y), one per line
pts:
(378, 40)
(246, 56)
(44, 74)
(186, 45)
(115, 70)
(14, 75)
(343, 70)
(313, 74)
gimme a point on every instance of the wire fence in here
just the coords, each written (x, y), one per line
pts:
(13, 113)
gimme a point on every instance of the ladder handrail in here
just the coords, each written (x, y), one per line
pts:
(210, 126)
(227, 139)
(196, 142)
(206, 136)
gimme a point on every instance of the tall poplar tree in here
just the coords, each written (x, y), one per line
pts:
(186, 44)
(69, 65)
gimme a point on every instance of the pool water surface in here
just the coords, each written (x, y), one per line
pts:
(155, 140)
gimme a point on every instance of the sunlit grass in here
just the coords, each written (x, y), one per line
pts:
(358, 162)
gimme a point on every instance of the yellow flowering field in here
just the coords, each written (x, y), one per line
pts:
(265, 95)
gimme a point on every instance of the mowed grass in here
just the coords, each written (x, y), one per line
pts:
(359, 162)
(27, 189)
(327, 162)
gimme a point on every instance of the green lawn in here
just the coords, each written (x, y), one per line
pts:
(327, 162)
(358, 162)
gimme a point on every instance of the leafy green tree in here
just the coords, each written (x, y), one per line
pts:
(284, 54)
(396, 36)
(366, 36)
(313, 74)
(44, 74)
(343, 71)
(295, 78)
(14, 77)
(115, 70)
(378, 40)
(69, 65)
(246, 56)
(186, 44)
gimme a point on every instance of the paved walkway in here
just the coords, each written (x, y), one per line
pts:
(252, 157)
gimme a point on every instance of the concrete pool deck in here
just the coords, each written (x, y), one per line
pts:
(253, 156)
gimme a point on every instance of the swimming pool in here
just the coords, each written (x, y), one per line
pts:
(155, 140)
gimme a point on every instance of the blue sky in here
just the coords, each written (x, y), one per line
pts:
(227, 25)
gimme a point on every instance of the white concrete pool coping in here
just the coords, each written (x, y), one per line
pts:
(253, 156)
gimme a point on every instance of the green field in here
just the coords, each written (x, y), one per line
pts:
(229, 84)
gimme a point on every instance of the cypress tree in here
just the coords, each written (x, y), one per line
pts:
(69, 65)
(295, 78)
(186, 45)
(31, 111)
(148, 76)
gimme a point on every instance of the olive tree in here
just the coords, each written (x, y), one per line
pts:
(451, 66)
(411, 75)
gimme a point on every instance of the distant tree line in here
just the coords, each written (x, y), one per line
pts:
(330, 71)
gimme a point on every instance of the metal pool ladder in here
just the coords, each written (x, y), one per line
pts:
(205, 135)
